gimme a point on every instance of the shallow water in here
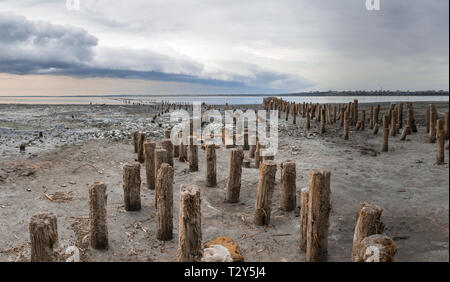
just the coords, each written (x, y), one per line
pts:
(217, 100)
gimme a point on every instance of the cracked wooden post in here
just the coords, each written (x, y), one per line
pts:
(393, 132)
(319, 207)
(264, 192)
(252, 151)
(167, 145)
(43, 230)
(164, 188)
(446, 126)
(308, 120)
(368, 223)
(363, 120)
(377, 248)
(405, 132)
(432, 134)
(385, 145)
(141, 140)
(322, 120)
(98, 232)
(211, 172)
(258, 157)
(234, 176)
(132, 186)
(190, 247)
(149, 153)
(440, 158)
(294, 114)
(193, 155)
(135, 141)
(346, 126)
(304, 218)
(288, 186)
(160, 158)
(411, 120)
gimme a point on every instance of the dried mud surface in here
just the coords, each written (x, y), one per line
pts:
(412, 190)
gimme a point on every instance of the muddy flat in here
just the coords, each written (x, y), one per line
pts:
(54, 173)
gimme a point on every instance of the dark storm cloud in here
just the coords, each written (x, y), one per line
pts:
(30, 47)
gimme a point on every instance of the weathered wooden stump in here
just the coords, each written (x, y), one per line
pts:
(440, 157)
(393, 132)
(135, 136)
(346, 126)
(190, 247)
(432, 134)
(264, 192)
(368, 223)
(252, 151)
(193, 155)
(149, 154)
(98, 233)
(322, 121)
(304, 218)
(385, 145)
(308, 120)
(405, 132)
(132, 186)
(319, 207)
(168, 146)
(140, 154)
(211, 170)
(258, 157)
(363, 120)
(43, 230)
(234, 176)
(288, 186)
(164, 188)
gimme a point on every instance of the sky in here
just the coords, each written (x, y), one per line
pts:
(49, 47)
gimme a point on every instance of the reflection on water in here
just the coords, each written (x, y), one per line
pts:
(218, 100)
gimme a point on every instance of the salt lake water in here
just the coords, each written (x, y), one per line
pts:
(216, 100)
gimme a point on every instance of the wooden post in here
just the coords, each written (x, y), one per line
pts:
(363, 120)
(160, 158)
(440, 158)
(132, 186)
(319, 207)
(346, 126)
(371, 113)
(432, 135)
(304, 218)
(189, 225)
(264, 192)
(149, 153)
(377, 248)
(252, 151)
(322, 120)
(234, 177)
(193, 155)
(355, 112)
(368, 223)
(288, 186)
(400, 115)
(427, 118)
(164, 188)
(411, 120)
(43, 230)
(211, 174)
(394, 123)
(385, 145)
(141, 140)
(98, 233)
(446, 126)
(405, 132)
(135, 141)
(258, 157)
(168, 146)
(308, 120)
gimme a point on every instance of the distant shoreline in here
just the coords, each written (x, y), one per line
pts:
(320, 94)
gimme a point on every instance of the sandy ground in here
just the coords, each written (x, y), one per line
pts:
(405, 181)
